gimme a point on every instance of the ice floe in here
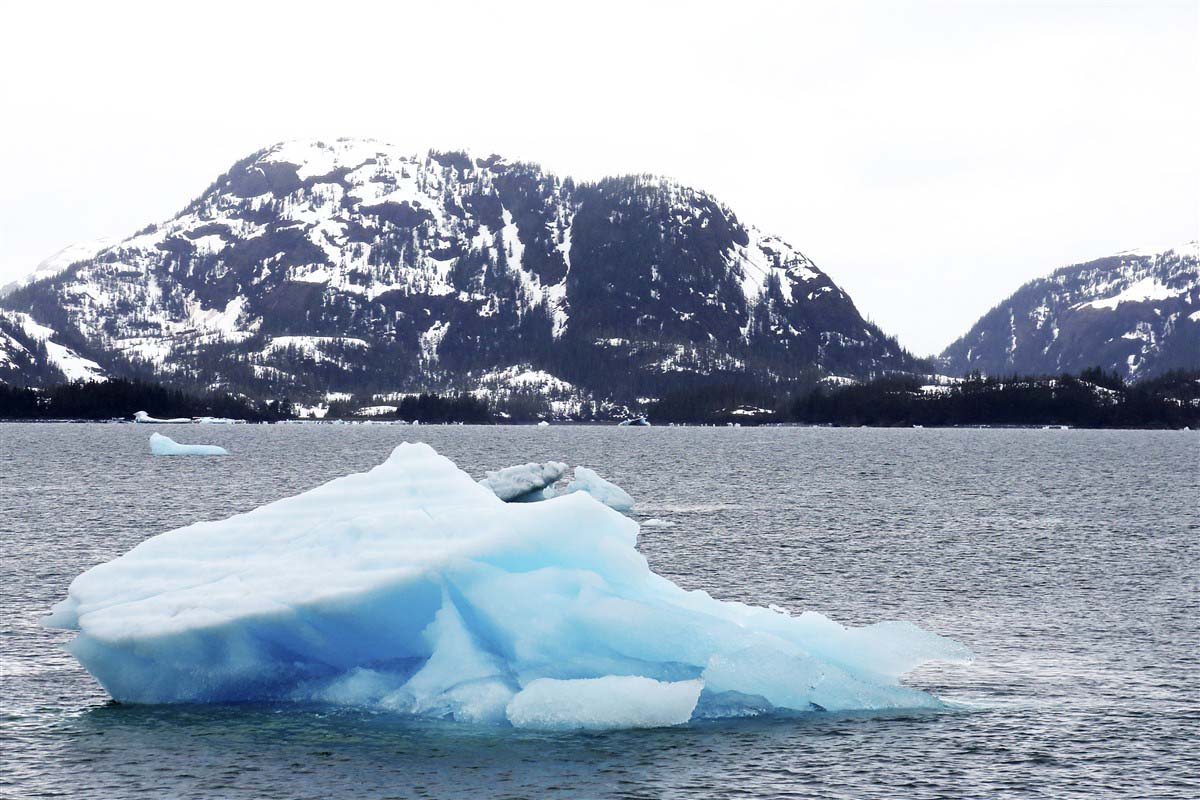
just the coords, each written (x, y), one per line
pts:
(166, 446)
(144, 418)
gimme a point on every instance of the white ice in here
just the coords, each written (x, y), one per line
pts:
(525, 481)
(166, 446)
(610, 494)
(413, 589)
(614, 701)
(143, 417)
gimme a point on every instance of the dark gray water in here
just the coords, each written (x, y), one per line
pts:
(1066, 559)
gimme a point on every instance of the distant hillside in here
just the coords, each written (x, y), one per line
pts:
(1135, 313)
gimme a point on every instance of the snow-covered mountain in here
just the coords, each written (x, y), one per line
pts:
(351, 266)
(58, 263)
(30, 354)
(1137, 313)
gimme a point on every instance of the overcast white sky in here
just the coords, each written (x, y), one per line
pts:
(929, 156)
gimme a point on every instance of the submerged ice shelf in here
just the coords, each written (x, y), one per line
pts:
(412, 588)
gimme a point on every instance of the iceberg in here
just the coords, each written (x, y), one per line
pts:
(525, 482)
(413, 589)
(610, 494)
(166, 446)
(143, 417)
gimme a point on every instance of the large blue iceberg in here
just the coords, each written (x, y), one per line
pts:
(414, 589)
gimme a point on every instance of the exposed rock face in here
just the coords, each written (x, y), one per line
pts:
(349, 266)
(1136, 313)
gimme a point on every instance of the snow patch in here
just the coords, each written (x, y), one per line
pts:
(1145, 290)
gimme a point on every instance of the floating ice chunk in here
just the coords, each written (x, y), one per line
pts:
(614, 701)
(657, 523)
(543, 424)
(610, 494)
(638, 422)
(166, 446)
(414, 589)
(524, 482)
(143, 417)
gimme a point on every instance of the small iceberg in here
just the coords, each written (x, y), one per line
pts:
(543, 424)
(638, 422)
(166, 446)
(525, 482)
(528, 483)
(143, 417)
(610, 494)
(412, 589)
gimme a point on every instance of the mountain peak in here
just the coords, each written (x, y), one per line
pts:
(349, 266)
(1136, 313)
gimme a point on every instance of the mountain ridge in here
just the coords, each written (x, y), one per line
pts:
(312, 267)
(1135, 313)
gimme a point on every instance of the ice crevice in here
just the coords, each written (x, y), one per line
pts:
(413, 589)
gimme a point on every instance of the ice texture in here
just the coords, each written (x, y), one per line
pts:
(143, 417)
(525, 482)
(414, 589)
(614, 701)
(166, 446)
(610, 494)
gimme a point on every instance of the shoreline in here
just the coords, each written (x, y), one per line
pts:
(579, 424)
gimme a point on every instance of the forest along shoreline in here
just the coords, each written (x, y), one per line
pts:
(1092, 399)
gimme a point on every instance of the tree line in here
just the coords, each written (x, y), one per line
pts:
(1091, 399)
(121, 399)
(428, 408)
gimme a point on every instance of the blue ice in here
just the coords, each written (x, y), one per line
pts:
(414, 589)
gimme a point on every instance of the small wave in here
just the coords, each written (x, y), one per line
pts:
(702, 508)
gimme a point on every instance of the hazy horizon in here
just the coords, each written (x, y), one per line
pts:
(931, 158)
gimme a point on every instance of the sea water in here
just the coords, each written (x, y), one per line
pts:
(1067, 561)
